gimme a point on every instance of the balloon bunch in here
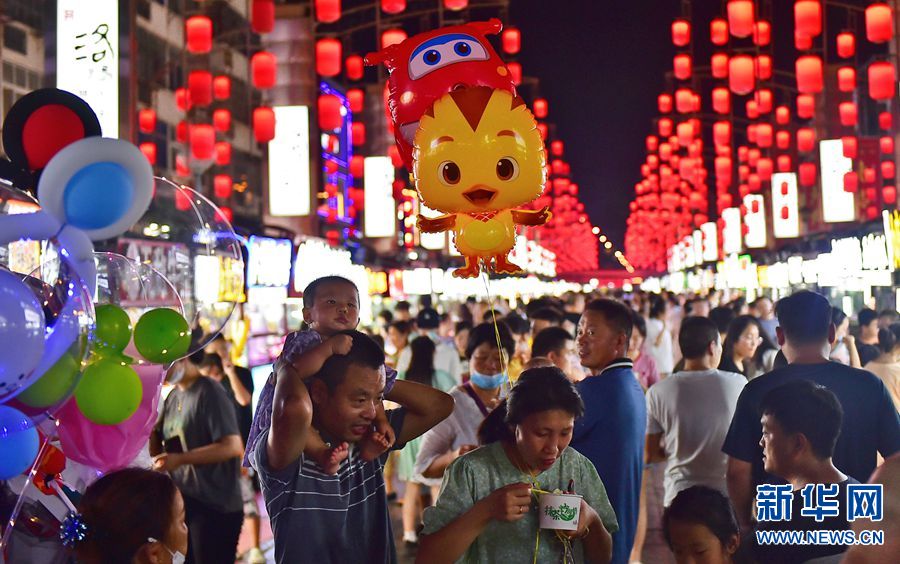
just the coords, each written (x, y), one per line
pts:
(473, 147)
(87, 336)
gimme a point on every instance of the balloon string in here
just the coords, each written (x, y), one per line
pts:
(504, 364)
(11, 524)
(62, 495)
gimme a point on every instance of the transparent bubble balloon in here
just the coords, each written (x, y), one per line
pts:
(189, 241)
(47, 310)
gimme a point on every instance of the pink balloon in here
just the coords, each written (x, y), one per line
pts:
(108, 447)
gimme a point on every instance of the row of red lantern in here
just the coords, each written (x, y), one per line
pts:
(329, 11)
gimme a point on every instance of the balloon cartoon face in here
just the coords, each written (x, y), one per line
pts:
(426, 66)
(478, 150)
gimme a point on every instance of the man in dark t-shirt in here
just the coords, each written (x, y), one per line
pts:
(870, 423)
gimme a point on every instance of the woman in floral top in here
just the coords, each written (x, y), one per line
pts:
(487, 509)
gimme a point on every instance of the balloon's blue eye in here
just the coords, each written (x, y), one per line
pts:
(462, 49)
(432, 57)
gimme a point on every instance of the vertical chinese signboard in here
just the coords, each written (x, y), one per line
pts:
(87, 56)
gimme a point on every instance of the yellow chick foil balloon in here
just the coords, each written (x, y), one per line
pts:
(478, 154)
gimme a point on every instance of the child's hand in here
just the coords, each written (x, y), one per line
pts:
(340, 344)
(383, 428)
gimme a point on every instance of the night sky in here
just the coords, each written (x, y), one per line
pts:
(601, 65)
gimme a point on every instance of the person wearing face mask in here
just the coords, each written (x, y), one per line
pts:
(197, 441)
(558, 346)
(130, 516)
(488, 510)
(473, 401)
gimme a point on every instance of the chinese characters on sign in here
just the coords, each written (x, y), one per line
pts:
(820, 501)
(87, 56)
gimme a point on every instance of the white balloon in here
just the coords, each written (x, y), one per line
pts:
(21, 331)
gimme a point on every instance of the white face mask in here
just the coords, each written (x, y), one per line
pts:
(177, 557)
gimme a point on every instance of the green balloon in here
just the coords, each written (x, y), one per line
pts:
(54, 385)
(162, 336)
(113, 328)
(109, 392)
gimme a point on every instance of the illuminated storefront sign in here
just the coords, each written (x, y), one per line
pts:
(268, 262)
(785, 211)
(755, 220)
(697, 247)
(218, 279)
(87, 56)
(710, 241)
(731, 232)
(315, 259)
(837, 204)
(892, 237)
(380, 208)
(289, 180)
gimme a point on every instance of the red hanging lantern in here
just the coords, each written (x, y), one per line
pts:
(685, 132)
(808, 17)
(222, 119)
(329, 109)
(721, 100)
(392, 37)
(806, 106)
(222, 87)
(850, 146)
(762, 33)
(807, 173)
(540, 108)
(222, 186)
(358, 133)
(262, 16)
(556, 148)
(393, 6)
(722, 133)
(328, 56)
(331, 167)
(328, 11)
(542, 128)
(356, 98)
(198, 34)
(886, 145)
(802, 42)
(783, 139)
(809, 74)
(752, 109)
(885, 120)
(181, 132)
(763, 99)
(740, 72)
(147, 120)
(847, 112)
(200, 87)
(740, 17)
(882, 80)
(846, 44)
(681, 33)
(784, 164)
(264, 124)
(887, 169)
(719, 65)
(782, 115)
(203, 138)
(226, 213)
(879, 23)
(263, 69)
(182, 199)
(869, 175)
(870, 196)
(456, 5)
(681, 66)
(846, 77)
(357, 166)
(851, 182)
(763, 67)
(665, 128)
(806, 139)
(684, 100)
(718, 31)
(889, 194)
(223, 153)
(183, 99)
(764, 135)
(664, 103)
(511, 39)
(354, 67)
(149, 150)
(515, 72)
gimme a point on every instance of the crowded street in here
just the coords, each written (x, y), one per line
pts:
(435, 281)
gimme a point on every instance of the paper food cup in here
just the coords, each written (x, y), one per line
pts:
(560, 511)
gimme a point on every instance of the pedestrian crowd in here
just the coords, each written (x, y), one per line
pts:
(765, 418)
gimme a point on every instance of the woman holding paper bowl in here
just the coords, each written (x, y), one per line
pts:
(490, 501)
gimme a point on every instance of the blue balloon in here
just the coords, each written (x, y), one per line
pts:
(18, 442)
(98, 195)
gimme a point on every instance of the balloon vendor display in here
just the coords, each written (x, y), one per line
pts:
(426, 66)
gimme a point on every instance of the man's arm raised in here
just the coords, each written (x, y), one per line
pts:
(425, 408)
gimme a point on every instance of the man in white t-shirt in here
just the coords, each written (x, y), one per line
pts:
(688, 414)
